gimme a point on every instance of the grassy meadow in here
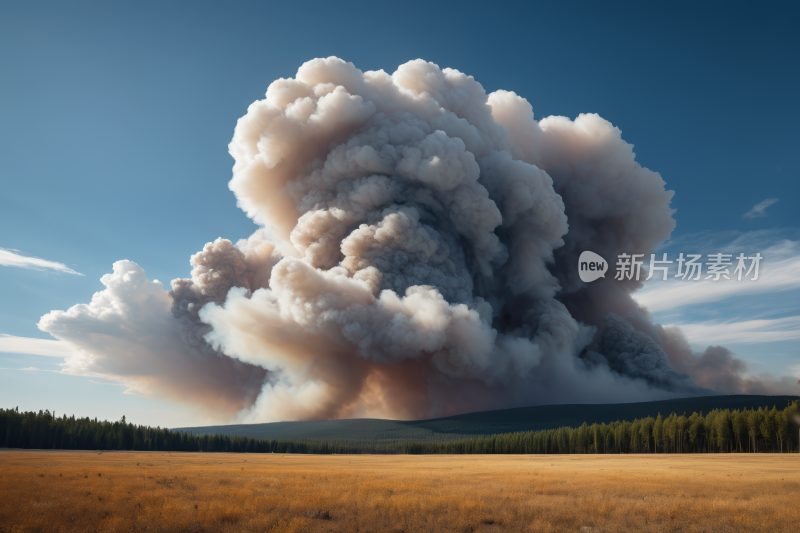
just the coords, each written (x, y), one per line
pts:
(80, 491)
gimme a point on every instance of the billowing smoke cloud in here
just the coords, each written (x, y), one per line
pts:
(217, 269)
(417, 257)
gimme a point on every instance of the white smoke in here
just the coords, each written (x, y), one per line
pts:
(128, 334)
(417, 255)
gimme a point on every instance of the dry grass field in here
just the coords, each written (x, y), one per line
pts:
(166, 492)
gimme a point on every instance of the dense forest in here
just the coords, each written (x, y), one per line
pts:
(44, 430)
(721, 430)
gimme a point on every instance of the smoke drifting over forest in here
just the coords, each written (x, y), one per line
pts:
(417, 257)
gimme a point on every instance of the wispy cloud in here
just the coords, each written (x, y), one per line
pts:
(112, 383)
(778, 271)
(14, 258)
(731, 240)
(29, 346)
(746, 332)
(759, 209)
(75, 360)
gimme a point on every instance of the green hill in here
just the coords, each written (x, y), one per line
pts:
(458, 427)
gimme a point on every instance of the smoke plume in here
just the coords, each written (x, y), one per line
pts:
(416, 257)
(718, 368)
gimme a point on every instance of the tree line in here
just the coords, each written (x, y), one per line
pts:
(721, 430)
(44, 430)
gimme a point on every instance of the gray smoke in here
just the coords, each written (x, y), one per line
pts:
(632, 352)
(718, 368)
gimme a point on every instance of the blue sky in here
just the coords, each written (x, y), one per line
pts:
(115, 119)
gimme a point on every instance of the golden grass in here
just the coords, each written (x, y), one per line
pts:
(173, 492)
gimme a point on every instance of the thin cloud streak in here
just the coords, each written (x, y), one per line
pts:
(14, 258)
(775, 274)
(759, 210)
(30, 346)
(731, 241)
(745, 332)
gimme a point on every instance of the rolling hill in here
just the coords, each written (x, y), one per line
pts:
(458, 427)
